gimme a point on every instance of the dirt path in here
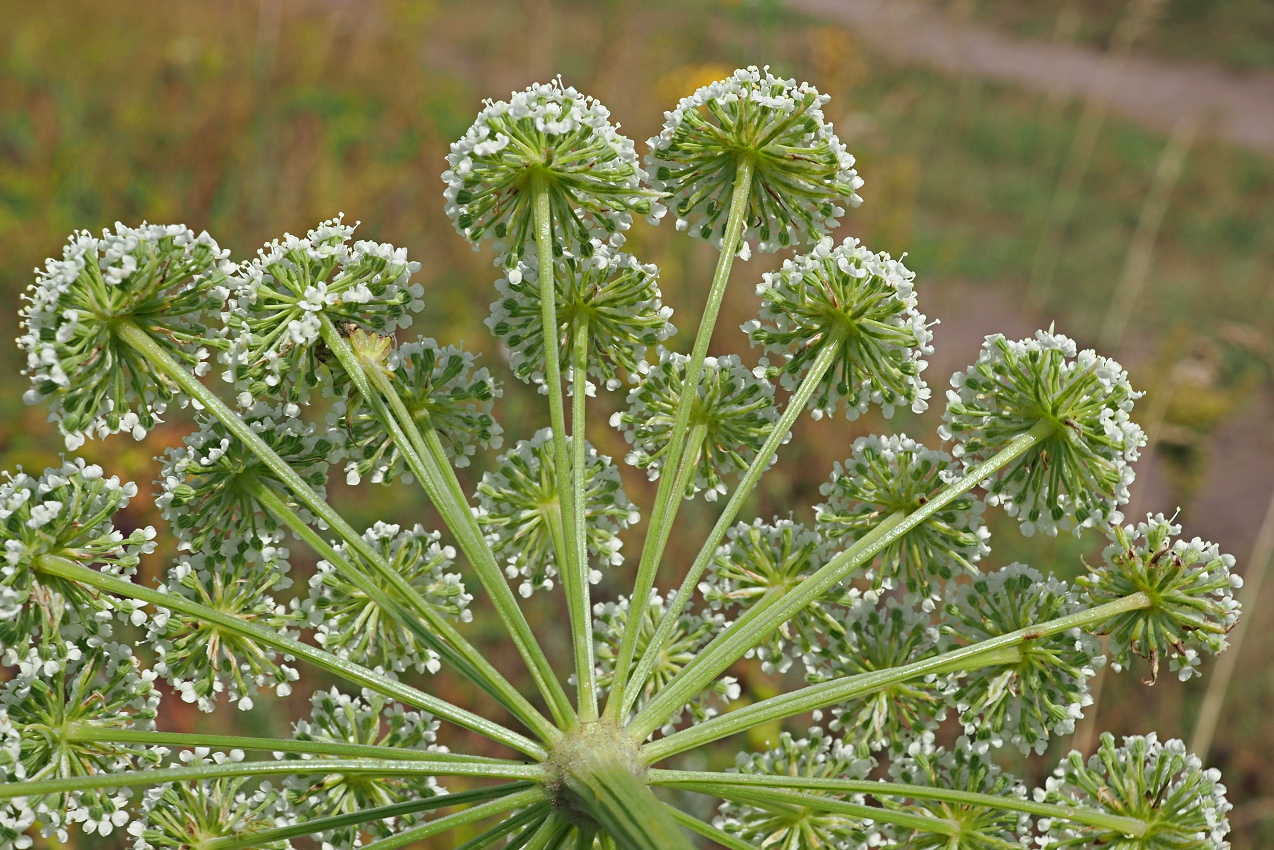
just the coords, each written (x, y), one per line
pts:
(1237, 108)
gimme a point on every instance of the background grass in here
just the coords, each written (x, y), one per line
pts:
(254, 117)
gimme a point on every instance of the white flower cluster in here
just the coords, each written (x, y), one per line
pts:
(105, 688)
(518, 508)
(442, 387)
(1042, 692)
(1182, 803)
(760, 560)
(1087, 398)
(203, 660)
(735, 408)
(367, 719)
(801, 171)
(350, 624)
(691, 633)
(554, 134)
(885, 475)
(819, 756)
(965, 767)
(1191, 587)
(181, 815)
(614, 292)
(162, 278)
(862, 304)
(209, 485)
(274, 303)
(65, 513)
(878, 635)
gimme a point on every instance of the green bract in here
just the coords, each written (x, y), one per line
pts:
(801, 175)
(611, 688)
(863, 307)
(160, 278)
(552, 135)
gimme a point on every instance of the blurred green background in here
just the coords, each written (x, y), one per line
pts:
(249, 118)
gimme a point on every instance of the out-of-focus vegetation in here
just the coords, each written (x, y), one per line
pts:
(254, 117)
(1238, 34)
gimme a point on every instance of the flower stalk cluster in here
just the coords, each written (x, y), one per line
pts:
(884, 598)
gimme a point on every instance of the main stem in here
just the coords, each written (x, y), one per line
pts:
(575, 569)
(425, 457)
(836, 691)
(795, 407)
(733, 643)
(668, 496)
(71, 571)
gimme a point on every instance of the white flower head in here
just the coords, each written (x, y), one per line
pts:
(160, 280)
(551, 136)
(801, 173)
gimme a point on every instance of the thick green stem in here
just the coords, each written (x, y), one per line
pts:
(98, 734)
(427, 461)
(351, 672)
(582, 613)
(657, 534)
(836, 691)
(550, 834)
(369, 767)
(468, 816)
(439, 635)
(736, 640)
(574, 570)
(795, 407)
(668, 495)
(707, 781)
(394, 810)
(622, 804)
